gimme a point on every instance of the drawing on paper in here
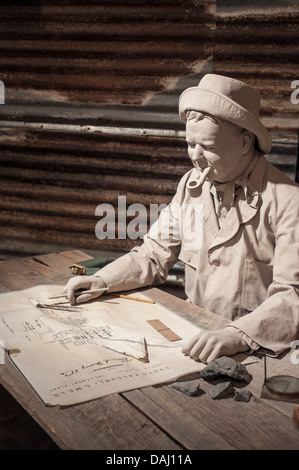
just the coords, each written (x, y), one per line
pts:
(74, 354)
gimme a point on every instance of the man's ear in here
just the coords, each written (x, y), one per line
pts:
(247, 141)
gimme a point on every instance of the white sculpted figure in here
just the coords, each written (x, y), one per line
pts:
(246, 267)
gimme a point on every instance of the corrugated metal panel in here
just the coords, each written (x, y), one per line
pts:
(52, 182)
(97, 64)
(91, 104)
(257, 42)
(105, 52)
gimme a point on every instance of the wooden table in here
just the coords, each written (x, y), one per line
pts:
(152, 418)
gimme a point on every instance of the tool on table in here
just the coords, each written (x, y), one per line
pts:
(90, 266)
(280, 387)
(78, 270)
(95, 291)
(81, 292)
(56, 306)
(144, 359)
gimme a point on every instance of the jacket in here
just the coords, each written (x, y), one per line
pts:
(247, 271)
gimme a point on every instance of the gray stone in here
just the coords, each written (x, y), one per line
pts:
(221, 390)
(191, 387)
(226, 367)
(242, 395)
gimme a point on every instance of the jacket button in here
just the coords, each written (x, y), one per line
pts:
(188, 259)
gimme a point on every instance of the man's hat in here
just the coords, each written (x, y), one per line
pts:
(227, 99)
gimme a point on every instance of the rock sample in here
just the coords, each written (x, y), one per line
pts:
(221, 390)
(191, 387)
(226, 367)
(242, 395)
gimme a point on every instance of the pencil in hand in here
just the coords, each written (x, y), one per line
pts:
(96, 291)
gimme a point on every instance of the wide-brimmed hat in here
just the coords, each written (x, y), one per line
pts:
(228, 99)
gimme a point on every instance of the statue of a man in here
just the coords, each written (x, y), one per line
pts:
(246, 267)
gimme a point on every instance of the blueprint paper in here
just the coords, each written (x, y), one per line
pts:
(63, 354)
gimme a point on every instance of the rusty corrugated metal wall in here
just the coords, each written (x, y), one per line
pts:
(258, 42)
(91, 104)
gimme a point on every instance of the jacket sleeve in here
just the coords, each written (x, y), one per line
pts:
(149, 263)
(274, 324)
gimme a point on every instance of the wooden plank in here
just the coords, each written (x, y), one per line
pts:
(56, 266)
(193, 313)
(245, 426)
(281, 365)
(178, 418)
(13, 421)
(75, 256)
(53, 266)
(152, 414)
(58, 261)
(15, 275)
(99, 424)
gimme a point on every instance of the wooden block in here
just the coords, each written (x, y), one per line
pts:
(164, 330)
(296, 415)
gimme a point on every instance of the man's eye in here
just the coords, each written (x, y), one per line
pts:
(191, 145)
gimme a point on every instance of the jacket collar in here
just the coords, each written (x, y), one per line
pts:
(246, 205)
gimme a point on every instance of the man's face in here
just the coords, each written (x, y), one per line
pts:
(215, 145)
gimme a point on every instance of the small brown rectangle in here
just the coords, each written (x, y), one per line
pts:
(158, 325)
(164, 330)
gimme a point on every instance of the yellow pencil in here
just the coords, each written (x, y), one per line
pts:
(134, 298)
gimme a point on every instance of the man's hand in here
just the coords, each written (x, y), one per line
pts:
(84, 283)
(207, 345)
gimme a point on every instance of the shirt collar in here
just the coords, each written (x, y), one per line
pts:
(245, 181)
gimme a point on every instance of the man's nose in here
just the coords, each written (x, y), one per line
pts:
(197, 154)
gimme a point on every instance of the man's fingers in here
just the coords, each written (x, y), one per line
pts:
(199, 349)
(209, 352)
(71, 295)
(202, 349)
(186, 348)
(208, 345)
(214, 354)
(195, 346)
(85, 298)
(204, 346)
(84, 283)
(75, 284)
